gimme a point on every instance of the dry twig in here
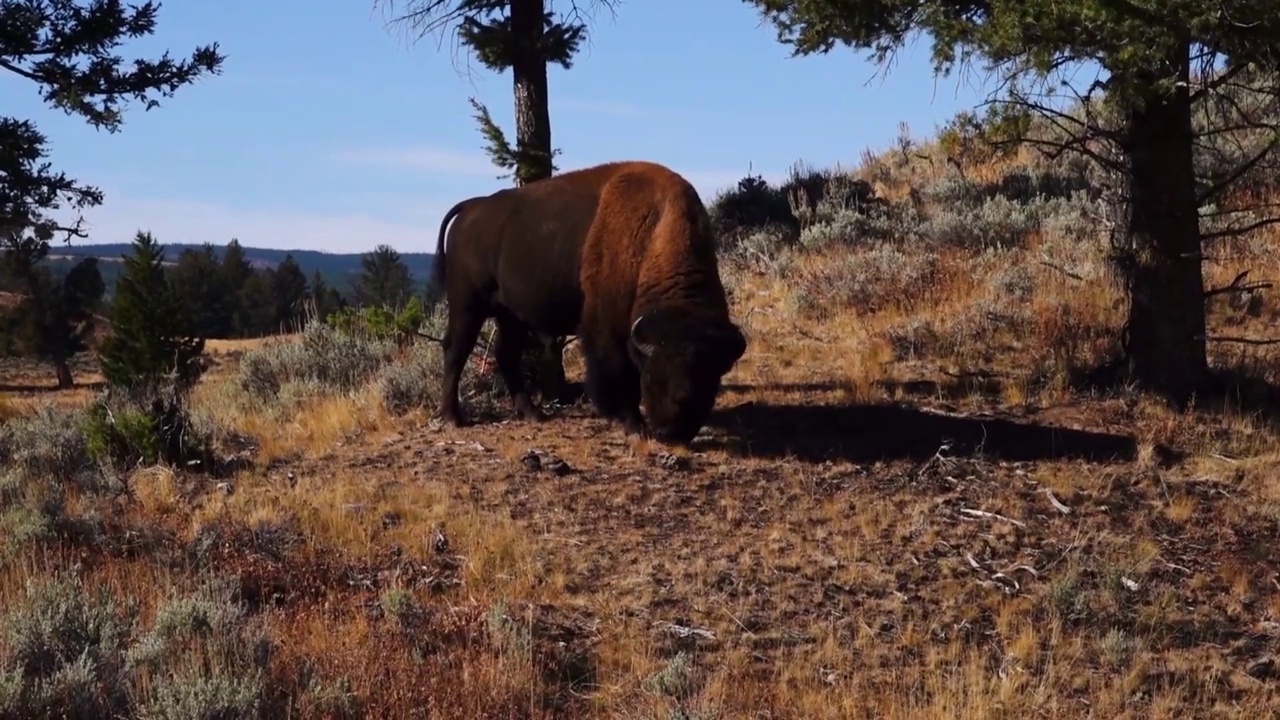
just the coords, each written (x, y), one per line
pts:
(991, 515)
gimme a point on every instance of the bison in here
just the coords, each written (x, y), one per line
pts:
(620, 254)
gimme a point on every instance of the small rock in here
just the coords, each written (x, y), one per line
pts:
(535, 460)
(531, 461)
(224, 487)
(667, 461)
(558, 466)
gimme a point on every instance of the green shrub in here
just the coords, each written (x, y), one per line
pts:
(753, 203)
(413, 381)
(65, 653)
(125, 438)
(72, 652)
(378, 322)
(332, 359)
(48, 443)
(124, 430)
(44, 456)
(867, 280)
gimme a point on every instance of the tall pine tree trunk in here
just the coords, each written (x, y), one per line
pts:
(529, 74)
(533, 150)
(1166, 350)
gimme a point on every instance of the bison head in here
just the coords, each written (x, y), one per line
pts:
(682, 357)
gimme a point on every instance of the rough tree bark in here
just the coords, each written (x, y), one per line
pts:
(1166, 330)
(529, 75)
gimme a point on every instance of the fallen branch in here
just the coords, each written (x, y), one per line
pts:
(1056, 503)
(937, 457)
(1026, 569)
(684, 632)
(1006, 583)
(992, 516)
(739, 622)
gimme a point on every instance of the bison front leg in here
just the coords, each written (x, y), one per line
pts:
(613, 385)
(508, 352)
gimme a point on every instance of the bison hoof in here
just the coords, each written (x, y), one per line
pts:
(635, 426)
(534, 415)
(528, 411)
(455, 419)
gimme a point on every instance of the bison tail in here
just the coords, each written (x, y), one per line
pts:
(437, 267)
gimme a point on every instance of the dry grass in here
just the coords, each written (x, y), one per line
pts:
(834, 555)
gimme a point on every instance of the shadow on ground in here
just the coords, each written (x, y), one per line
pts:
(1227, 391)
(866, 433)
(956, 387)
(31, 388)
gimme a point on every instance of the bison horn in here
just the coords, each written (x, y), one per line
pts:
(645, 348)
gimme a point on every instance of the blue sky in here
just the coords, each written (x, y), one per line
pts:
(329, 130)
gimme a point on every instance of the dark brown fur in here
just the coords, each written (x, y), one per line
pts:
(621, 255)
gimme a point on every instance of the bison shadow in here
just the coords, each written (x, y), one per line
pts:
(867, 433)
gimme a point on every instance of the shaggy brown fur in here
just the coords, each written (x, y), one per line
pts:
(620, 254)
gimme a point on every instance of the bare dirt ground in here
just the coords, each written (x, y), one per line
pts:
(813, 557)
(846, 539)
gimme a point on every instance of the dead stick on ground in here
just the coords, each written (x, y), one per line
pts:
(735, 619)
(1056, 504)
(991, 515)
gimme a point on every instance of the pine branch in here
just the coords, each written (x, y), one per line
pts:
(496, 147)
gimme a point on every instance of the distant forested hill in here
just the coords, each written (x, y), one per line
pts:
(336, 268)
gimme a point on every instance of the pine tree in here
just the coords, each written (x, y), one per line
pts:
(235, 266)
(55, 317)
(1164, 68)
(325, 298)
(384, 280)
(257, 315)
(290, 290)
(68, 49)
(518, 35)
(151, 336)
(200, 286)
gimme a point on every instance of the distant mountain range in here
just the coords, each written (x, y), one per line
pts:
(337, 269)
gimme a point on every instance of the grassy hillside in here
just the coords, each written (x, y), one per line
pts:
(918, 498)
(336, 268)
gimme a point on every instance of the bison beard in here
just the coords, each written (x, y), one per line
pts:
(621, 255)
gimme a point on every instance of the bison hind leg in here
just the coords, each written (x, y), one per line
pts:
(460, 337)
(509, 346)
(613, 385)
